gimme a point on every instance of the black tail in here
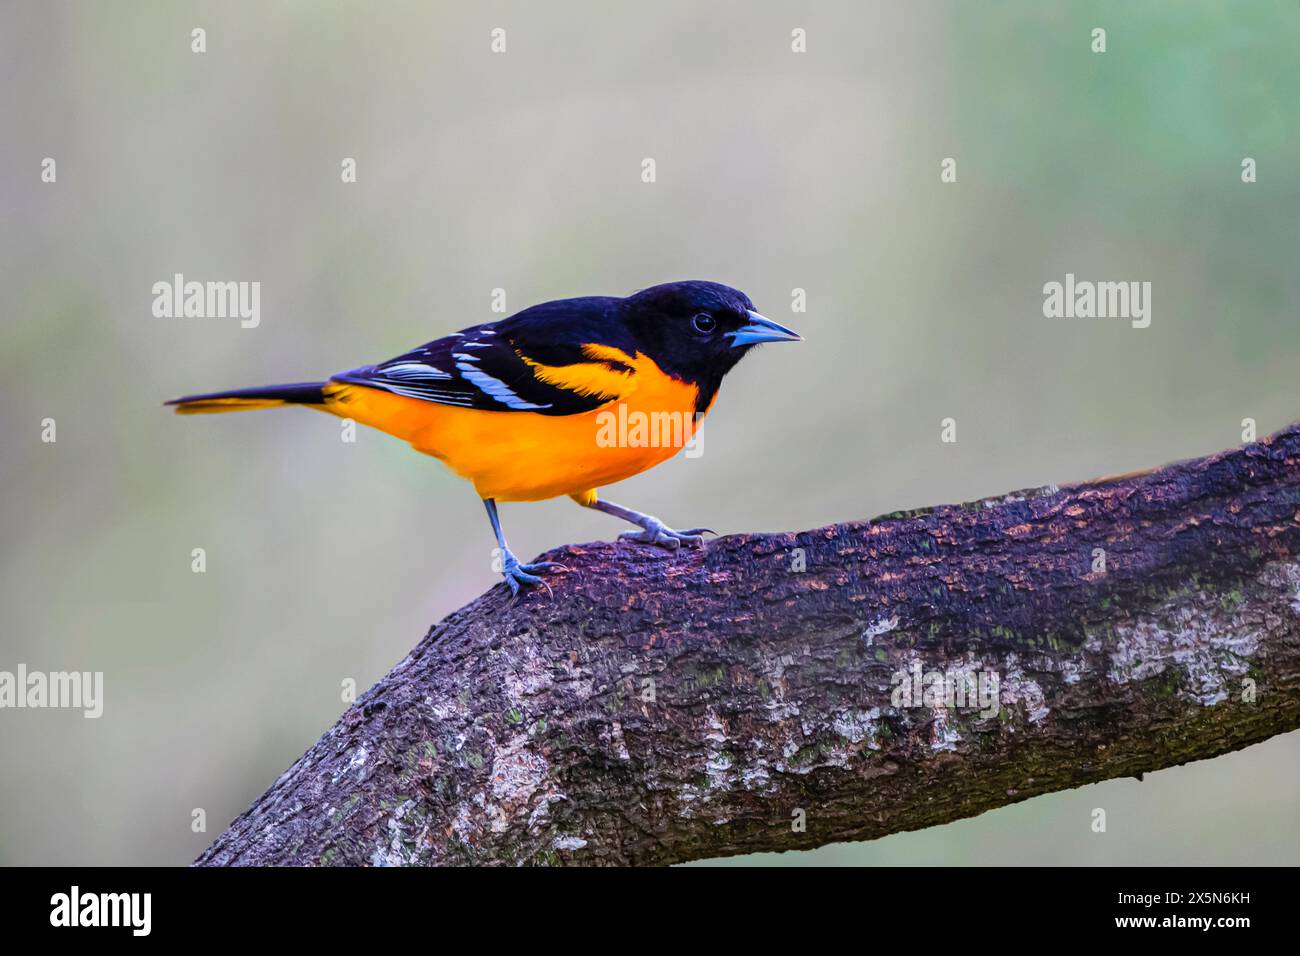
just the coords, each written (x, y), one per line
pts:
(247, 399)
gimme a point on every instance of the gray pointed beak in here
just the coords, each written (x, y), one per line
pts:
(761, 329)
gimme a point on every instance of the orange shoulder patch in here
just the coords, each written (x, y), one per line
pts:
(595, 379)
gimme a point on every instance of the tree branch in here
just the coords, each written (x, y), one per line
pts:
(661, 708)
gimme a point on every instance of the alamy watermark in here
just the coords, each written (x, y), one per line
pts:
(133, 911)
(179, 299)
(81, 690)
(959, 688)
(1083, 299)
(633, 428)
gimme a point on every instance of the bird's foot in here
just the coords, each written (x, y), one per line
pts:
(519, 575)
(659, 534)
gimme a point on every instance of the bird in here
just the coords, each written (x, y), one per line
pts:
(558, 399)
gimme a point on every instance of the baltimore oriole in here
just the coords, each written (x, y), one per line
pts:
(527, 407)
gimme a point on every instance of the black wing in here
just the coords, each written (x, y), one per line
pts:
(506, 366)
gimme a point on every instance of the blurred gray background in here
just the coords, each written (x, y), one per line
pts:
(521, 170)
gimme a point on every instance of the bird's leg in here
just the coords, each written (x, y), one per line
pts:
(512, 570)
(653, 531)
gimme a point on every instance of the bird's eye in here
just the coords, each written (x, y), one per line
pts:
(704, 323)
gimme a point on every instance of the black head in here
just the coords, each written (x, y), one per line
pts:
(698, 331)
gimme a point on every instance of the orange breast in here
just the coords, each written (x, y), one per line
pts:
(524, 456)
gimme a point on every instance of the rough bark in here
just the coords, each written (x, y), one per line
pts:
(660, 708)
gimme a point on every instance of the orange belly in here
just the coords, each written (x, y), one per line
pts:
(523, 456)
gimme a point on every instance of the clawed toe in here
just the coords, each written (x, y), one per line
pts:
(542, 566)
(662, 536)
(651, 537)
(518, 575)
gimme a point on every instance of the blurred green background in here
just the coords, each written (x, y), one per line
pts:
(776, 171)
